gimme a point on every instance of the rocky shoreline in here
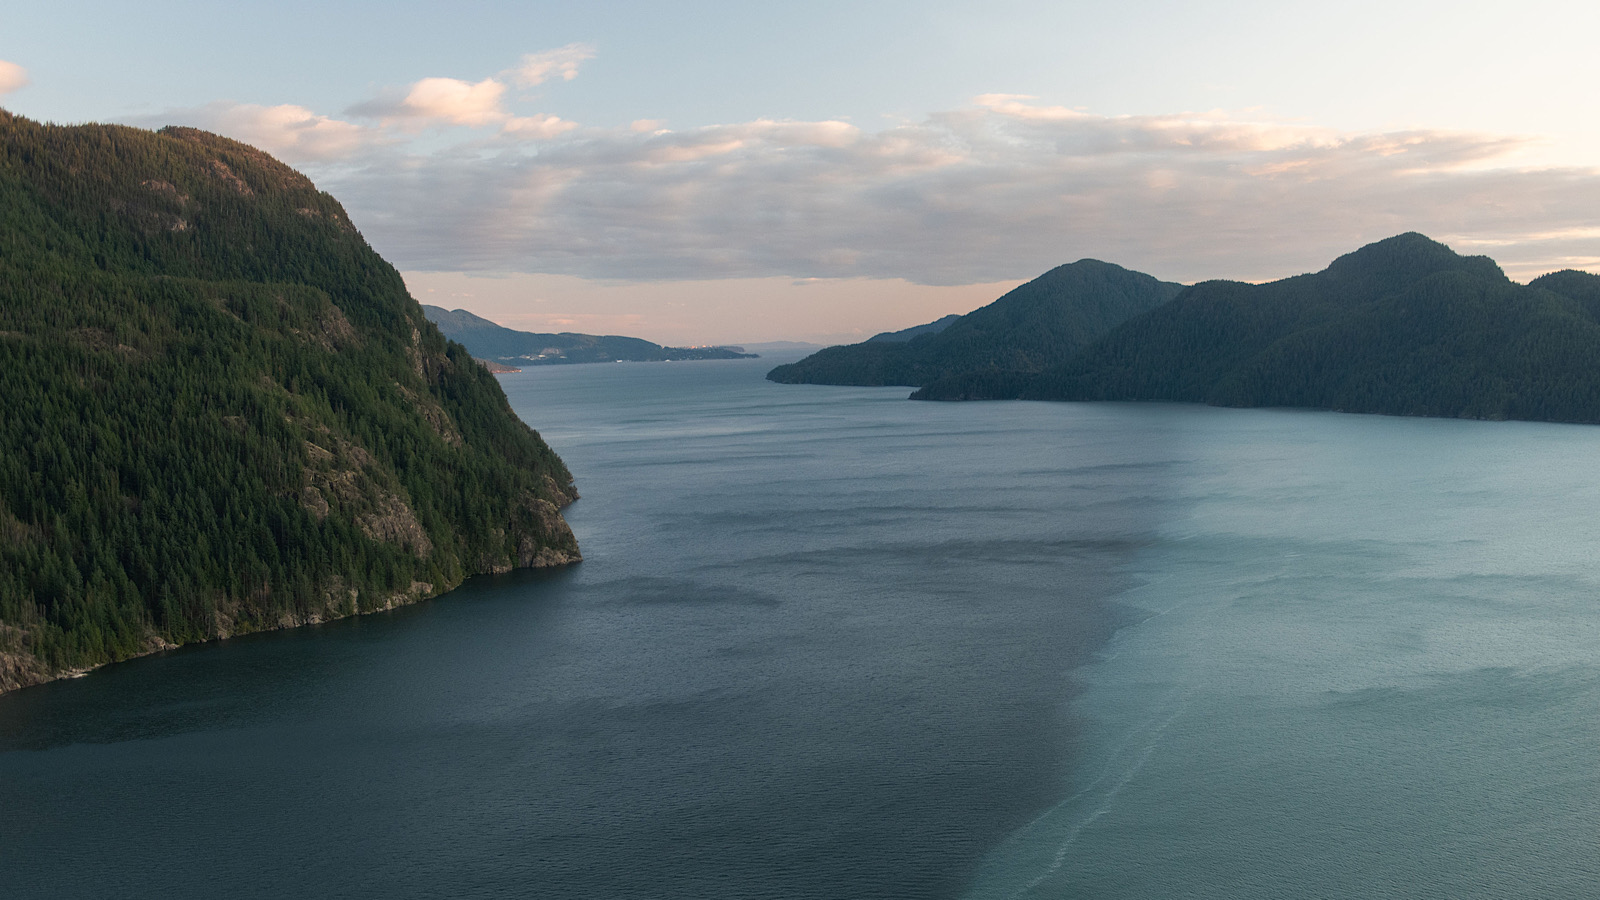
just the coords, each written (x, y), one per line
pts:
(21, 669)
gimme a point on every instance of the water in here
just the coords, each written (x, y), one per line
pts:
(828, 643)
(1368, 669)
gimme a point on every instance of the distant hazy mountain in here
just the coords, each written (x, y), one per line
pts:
(489, 341)
(906, 334)
(777, 346)
(1035, 326)
(1404, 326)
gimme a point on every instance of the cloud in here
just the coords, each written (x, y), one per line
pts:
(540, 127)
(1001, 189)
(440, 101)
(563, 62)
(12, 77)
(451, 102)
(292, 133)
(457, 102)
(302, 137)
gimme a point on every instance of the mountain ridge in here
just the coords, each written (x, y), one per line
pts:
(1402, 326)
(1028, 329)
(906, 334)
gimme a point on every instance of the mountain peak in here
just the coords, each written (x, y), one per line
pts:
(1393, 263)
(1032, 327)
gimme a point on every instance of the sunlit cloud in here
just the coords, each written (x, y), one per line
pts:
(1017, 105)
(441, 101)
(563, 62)
(1003, 188)
(540, 127)
(1000, 189)
(456, 101)
(12, 77)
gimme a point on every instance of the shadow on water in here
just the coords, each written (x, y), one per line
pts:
(256, 679)
(828, 651)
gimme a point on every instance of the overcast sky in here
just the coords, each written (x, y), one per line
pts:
(697, 172)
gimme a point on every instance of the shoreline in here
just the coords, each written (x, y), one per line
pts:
(20, 670)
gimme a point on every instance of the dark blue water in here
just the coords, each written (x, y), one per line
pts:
(822, 645)
(827, 643)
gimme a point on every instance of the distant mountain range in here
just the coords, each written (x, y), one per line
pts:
(1404, 326)
(491, 342)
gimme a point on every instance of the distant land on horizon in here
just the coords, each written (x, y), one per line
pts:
(779, 346)
(1403, 326)
(492, 342)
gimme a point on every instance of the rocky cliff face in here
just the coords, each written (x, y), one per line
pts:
(221, 412)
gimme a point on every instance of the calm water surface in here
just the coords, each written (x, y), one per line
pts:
(829, 643)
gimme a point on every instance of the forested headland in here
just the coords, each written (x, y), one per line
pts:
(1403, 326)
(221, 411)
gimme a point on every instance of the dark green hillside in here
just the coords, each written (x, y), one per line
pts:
(1033, 327)
(1404, 326)
(221, 412)
(488, 340)
(1583, 287)
(906, 334)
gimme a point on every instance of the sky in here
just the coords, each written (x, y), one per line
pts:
(716, 172)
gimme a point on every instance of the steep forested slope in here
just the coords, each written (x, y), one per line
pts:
(1031, 328)
(220, 410)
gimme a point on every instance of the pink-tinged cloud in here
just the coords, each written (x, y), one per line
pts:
(1002, 189)
(1017, 105)
(541, 127)
(438, 103)
(452, 102)
(12, 77)
(456, 102)
(563, 63)
(292, 133)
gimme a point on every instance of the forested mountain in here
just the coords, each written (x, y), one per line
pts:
(1404, 326)
(221, 412)
(1033, 327)
(487, 340)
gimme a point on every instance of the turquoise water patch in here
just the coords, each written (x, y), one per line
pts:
(1366, 663)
